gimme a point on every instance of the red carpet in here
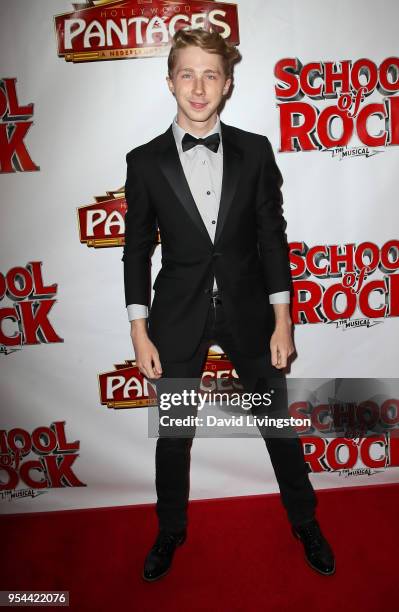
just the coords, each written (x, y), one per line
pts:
(239, 556)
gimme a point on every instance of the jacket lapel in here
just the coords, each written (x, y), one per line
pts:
(174, 173)
(231, 173)
(171, 167)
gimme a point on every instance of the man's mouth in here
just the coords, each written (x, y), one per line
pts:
(198, 105)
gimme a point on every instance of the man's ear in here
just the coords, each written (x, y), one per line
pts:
(226, 86)
(170, 84)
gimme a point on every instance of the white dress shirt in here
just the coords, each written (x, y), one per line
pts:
(204, 171)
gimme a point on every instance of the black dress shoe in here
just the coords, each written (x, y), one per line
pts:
(318, 552)
(159, 559)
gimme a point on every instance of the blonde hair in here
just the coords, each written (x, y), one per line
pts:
(212, 42)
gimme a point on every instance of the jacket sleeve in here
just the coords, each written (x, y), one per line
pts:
(271, 225)
(140, 236)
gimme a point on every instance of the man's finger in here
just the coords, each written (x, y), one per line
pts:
(157, 363)
(283, 359)
(153, 373)
(145, 372)
(147, 368)
(273, 349)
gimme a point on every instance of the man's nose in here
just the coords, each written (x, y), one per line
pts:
(198, 86)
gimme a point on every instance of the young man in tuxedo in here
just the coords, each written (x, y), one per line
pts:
(214, 192)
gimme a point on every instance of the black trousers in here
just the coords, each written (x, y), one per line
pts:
(172, 460)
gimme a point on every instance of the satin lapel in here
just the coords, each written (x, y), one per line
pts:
(174, 173)
(231, 173)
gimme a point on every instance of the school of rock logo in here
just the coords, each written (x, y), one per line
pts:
(26, 320)
(352, 266)
(306, 126)
(43, 459)
(126, 29)
(15, 122)
(352, 456)
(352, 438)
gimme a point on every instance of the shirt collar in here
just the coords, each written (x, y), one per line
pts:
(179, 132)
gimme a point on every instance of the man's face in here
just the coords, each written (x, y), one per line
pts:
(198, 83)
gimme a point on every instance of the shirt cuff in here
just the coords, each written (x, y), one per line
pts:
(137, 311)
(281, 297)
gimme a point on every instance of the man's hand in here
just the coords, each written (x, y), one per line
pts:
(147, 357)
(281, 343)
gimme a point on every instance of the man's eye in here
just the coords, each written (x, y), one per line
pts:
(211, 76)
(186, 76)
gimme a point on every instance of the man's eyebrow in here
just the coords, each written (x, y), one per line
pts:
(216, 71)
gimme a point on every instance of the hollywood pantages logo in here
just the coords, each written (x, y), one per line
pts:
(128, 29)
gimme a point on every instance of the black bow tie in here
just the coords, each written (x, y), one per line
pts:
(212, 142)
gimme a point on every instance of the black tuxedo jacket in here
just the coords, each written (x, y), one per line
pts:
(249, 257)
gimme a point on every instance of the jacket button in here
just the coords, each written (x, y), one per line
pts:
(216, 255)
